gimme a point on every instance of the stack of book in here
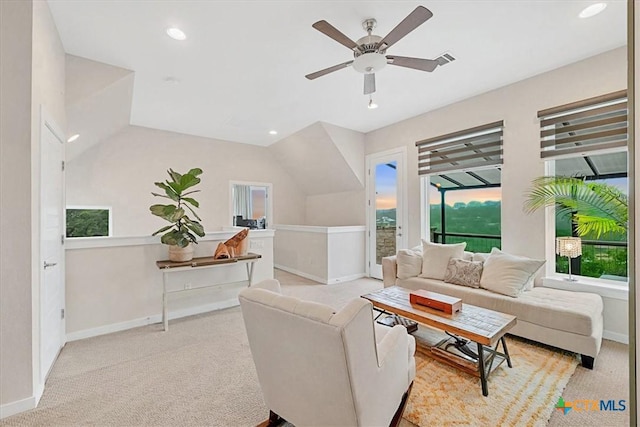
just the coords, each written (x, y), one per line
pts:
(394, 320)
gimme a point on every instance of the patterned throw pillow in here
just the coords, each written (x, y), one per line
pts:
(465, 273)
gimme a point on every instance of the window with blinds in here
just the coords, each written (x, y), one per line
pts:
(576, 129)
(474, 148)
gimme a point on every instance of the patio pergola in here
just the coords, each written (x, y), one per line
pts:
(594, 167)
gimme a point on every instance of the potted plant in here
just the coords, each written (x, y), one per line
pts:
(182, 231)
(595, 208)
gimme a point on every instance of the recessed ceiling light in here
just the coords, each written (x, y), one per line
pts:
(273, 132)
(176, 33)
(73, 137)
(592, 10)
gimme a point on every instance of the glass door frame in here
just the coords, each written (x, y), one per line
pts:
(400, 156)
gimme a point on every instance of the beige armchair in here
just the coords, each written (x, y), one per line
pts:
(320, 368)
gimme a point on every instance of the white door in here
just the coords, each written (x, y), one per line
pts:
(51, 248)
(386, 207)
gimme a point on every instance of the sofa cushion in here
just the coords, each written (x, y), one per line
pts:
(435, 258)
(574, 312)
(508, 274)
(409, 263)
(462, 272)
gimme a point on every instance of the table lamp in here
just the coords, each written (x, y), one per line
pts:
(570, 247)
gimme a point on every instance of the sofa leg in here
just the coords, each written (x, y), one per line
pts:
(587, 361)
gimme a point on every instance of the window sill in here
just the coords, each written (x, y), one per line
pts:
(604, 288)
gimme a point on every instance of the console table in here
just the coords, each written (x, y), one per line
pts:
(168, 267)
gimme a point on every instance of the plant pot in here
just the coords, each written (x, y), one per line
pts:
(178, 254)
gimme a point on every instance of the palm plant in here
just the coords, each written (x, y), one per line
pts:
(595, 208)
(183, 230)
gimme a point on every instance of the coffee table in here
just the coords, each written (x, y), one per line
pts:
(484, 327)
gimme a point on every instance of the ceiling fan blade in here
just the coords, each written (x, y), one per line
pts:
(415, 63)
(416, 18)
(329, 30)
(369, 83)
(328, 70)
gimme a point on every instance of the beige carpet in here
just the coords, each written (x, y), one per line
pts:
(522, 395)
(201, 373)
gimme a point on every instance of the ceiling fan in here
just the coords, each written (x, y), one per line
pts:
(369, 52)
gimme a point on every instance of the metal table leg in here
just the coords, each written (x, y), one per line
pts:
(506, 352)
(249, 266)
(165, 317)
(483, 374)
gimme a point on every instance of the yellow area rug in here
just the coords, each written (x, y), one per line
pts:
(524, 395)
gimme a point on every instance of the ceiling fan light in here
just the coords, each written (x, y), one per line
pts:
(592, 10)
(372, 105)
(369, 63)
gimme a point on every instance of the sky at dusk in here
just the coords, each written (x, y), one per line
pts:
(386, 190)
(465, 196)
(386, 177)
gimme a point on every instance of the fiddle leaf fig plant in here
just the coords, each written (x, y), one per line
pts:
(182, 230)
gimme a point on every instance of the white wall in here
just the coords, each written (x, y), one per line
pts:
(120, 172)
(336, 209)
(118, 287)
(32, 75)
(517, 105)
(301, 252)
(351, 145)
(15, 201)
(327, 161)
(324, 254)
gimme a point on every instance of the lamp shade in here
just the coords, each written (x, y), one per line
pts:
(569, 246)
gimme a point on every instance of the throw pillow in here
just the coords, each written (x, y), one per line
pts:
(463, 272)
(480, 256)
(409, 263)
(508, 274)
(435, 258)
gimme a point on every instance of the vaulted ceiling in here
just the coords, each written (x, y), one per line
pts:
(240, 72)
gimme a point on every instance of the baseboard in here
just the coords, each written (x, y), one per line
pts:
(13, 408)
(301, 274)
(319, 279)
(38, 394)
(347, 278)
(144, 321)
(615, 336)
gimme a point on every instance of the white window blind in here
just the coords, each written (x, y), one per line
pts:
(594, 124)
(478, 147)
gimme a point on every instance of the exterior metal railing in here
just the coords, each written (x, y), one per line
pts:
(602, 259)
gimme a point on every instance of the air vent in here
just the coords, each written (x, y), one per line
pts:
(445, 58)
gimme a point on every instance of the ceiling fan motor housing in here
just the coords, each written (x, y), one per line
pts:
(367, 57)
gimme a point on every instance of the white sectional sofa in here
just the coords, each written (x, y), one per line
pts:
(568, 320)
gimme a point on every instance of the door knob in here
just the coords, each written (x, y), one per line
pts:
(49, 264)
